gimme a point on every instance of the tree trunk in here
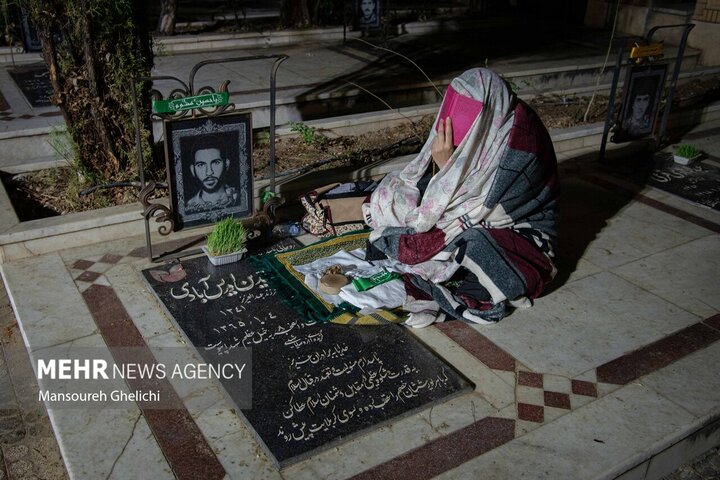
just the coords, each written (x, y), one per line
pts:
(94, 89)
(166, 22)
(102, 48)
(316, 12)
(295, 13)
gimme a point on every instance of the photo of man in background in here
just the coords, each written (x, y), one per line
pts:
(368, 13)
(209, 165)
(641, 102)
(638, 120)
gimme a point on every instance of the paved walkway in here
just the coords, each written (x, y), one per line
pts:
(611, 374)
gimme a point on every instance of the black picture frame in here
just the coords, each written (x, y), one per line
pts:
(641, 100)
(31, 41)
(364, 17)
(197, 202)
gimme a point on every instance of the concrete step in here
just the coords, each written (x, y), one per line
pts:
(18, 55)
(30, 150)
(178, 44)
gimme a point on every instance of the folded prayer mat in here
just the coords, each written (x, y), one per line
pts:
(278, 271)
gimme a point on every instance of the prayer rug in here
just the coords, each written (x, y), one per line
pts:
(307, 302)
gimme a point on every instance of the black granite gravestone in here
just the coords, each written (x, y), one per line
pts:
(314, 385)
(698, 183)
(34, 82)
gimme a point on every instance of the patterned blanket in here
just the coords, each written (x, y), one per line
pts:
(481, 236)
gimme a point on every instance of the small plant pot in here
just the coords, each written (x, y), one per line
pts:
(685, 160)
(224, 259)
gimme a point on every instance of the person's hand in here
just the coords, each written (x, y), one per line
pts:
(442, 146)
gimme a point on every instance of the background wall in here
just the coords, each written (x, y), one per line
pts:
(636, 17)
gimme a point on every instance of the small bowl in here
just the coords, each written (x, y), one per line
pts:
(685, 160)
(224, 259)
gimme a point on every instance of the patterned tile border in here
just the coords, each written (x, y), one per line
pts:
(546, 397)
(7, 116)
(478, 346)
(539, 398)
(445, 453)
(181, 441)
(643, 361)
(89, 272)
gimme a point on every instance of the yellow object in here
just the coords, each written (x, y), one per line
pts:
(378, 317)
(640, 51)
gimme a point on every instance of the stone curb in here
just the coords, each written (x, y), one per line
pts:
(185, 43)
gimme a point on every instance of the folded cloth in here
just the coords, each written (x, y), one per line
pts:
(387, 295)
(366, 283)
(424, 318)
(422, 313)
(348, 261)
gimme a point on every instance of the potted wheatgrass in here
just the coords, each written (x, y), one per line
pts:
(226, 242)
(686, 154)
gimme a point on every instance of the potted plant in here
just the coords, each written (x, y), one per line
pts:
(226, 242)
(686, 154)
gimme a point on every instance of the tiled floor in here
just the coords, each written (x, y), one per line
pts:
(611, 373)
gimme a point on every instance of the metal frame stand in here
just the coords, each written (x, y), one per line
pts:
(661, 136)
(163, 214)
(611, 101)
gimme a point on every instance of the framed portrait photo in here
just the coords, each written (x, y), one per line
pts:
(367, 14)
(209, 164)
(641, 100)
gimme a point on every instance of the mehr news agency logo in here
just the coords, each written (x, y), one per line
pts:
(62, 371)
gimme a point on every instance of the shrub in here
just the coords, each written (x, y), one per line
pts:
(308, 134)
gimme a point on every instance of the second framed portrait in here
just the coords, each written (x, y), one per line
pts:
(209, 164)
(641, 100)
(367, 14)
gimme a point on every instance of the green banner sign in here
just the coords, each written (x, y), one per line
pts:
(207, 100)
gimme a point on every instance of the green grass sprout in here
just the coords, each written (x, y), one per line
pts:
(228, 236)
(687, 151)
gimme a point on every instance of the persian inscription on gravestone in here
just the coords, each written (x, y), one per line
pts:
(313, 384)
(34, 82)
(698, 183)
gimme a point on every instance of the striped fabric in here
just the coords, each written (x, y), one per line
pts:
(491, 250)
